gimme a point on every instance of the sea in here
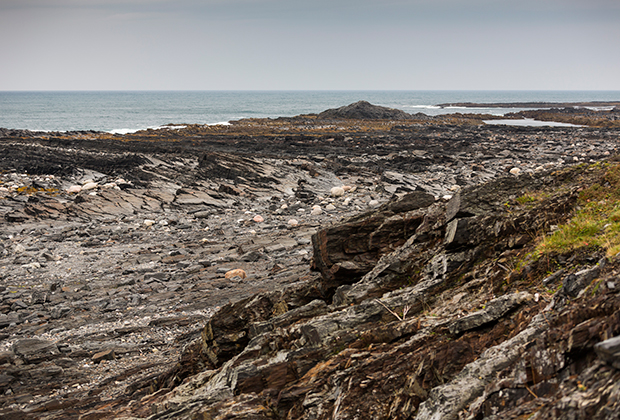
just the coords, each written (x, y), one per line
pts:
(129, 111)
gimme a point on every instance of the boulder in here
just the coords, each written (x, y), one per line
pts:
(348, 250)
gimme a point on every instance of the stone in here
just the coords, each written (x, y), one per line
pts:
(74, 189)
(609, 351)
(360, 241)
(192, 269)
(336, 192)
(6, 357)
(202, 214)
(89, 186)
(574, 283)
(104, 355)
(34, 350)
(258, 219)
(236, 272)
(316, 210)
(293, 222)
(515, 171)
(148, 222)
(58, 312)
(252, 256)
(39, 296)
(493, 310)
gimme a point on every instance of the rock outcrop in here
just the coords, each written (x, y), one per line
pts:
(364, 110)
(438, 329)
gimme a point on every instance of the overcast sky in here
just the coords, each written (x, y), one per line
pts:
(309, 44)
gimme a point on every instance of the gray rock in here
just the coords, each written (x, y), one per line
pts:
(151, 277)
(39, 296)
(493, 310)
(194, 268)
(457, 233)
(574, 283)
(446, 401)
(553, 277)
(6, 357)
(609, 351)
(252, 256)
(34, 350)
(58, 312)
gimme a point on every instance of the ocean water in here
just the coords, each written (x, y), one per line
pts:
(127, 111)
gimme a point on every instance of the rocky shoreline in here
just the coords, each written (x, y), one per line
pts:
(374, 259)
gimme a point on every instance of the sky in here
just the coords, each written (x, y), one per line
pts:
(310, 45)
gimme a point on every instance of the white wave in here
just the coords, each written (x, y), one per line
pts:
(170, 127)
(598, 108)
(424, 106)
(464, 107)
(153, 127)
(530, 123)
(125, 130)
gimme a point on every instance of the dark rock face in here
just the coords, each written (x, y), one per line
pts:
(345, 252)
(363, 110)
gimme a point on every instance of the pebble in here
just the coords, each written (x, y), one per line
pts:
(337, 192)
(330, 207)
(74, 189)
(293, 222)
(316, 210)
(89, 186)
(515, 171)
(149, 222)
(234, 273)
(258, 219)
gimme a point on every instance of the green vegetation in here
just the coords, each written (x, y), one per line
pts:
(596, 223)
(530, 198)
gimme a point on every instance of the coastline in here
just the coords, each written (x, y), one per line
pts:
(132, 111)
(243, 269)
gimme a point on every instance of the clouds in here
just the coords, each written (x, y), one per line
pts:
(320, 44)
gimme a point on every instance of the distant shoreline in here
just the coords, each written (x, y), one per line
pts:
(594, 104)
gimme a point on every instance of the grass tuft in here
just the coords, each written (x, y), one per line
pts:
(596, 224)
